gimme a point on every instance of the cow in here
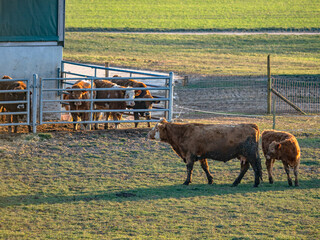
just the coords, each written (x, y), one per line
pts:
(126, 93)
(281, 146)
(147, 105)
(13, 96)
(79, 91)
(195, 141)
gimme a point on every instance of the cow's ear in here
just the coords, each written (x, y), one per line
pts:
(278, 146)
(137, 93)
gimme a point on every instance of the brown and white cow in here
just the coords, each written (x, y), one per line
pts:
(194, 141)
(79, 91)
(126, 93)
(147, 105)
(282, 146)
(13, 96)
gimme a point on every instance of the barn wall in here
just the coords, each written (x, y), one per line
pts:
(24, 61)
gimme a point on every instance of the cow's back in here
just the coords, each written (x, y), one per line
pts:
(220, 142)
(268, 136)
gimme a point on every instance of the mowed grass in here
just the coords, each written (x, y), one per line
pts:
(173, 15)
(118, 185)
(198, 54)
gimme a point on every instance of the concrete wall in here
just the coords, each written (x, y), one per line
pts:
(22, 61)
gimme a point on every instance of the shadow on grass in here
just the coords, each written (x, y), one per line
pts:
(160, 192)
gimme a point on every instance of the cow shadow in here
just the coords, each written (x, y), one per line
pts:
(154, 193)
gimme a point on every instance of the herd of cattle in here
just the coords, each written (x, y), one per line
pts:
(197, 142)
(77, 99)
(119, 89)
(192, 142)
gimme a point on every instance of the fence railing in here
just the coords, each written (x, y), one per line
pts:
(166, 110)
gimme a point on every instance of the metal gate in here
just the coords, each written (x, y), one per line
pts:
(15, 104)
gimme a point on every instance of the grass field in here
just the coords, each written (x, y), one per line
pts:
(118, 185)
(198, 54)
(175, 15)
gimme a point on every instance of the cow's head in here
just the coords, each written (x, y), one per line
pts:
(129, 94)
(273, 150)
(146, 104)
(18, 96)
(158, 131)
(77, 95)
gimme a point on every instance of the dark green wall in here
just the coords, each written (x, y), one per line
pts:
(29, 20)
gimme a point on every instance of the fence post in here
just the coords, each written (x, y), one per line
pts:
(269, 85)
(106, 65)
(34, 103)
(170, 105)
(274, 114)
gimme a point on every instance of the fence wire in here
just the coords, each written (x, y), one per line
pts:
(303, 94)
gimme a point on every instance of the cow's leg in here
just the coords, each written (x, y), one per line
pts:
(75, 119)
(286, 168)
(148, 117)
(15, 120)
(190, 162)
(244, 168)
(205, 167)
(136, 117)
(106, 125)
(117, 117)
(269, 164)
(9, 120)
(295, 171)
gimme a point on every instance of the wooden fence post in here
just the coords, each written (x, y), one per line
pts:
(269, 85)
(106, 65)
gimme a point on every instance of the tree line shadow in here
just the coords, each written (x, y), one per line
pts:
(154, 193)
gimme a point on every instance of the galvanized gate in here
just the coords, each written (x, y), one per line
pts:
(15, 103)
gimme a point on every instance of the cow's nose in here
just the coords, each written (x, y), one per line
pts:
(20, 106)
(131, 104)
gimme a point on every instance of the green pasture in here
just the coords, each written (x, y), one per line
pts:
(116, 184)
(198, 54)
(195, 15)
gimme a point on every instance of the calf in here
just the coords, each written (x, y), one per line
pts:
(145, 94)
(194, 141)
(79, 91)
(282, 146)
(13, 96)
(126, 93)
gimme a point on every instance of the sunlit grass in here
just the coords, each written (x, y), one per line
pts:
(198, 54)
(117, 184)
(141, 15)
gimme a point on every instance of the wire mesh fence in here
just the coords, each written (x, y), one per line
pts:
(226, 94)
(305, 94)
(247, 95)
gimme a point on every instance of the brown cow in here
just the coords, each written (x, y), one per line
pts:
(138, 94)
(194, 141)
(13, 96)
(113, 94)
(79, 91)
(282, 146)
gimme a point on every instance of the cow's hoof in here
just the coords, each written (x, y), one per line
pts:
(186, 183)
(270, 180)
(210, 181)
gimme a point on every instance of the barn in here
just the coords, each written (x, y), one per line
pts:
(32, 39)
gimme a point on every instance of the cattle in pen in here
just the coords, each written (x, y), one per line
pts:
(19, 95)
(197, 142)
(281, 146)
(143, 93)
(80, 109)
(121, 93)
